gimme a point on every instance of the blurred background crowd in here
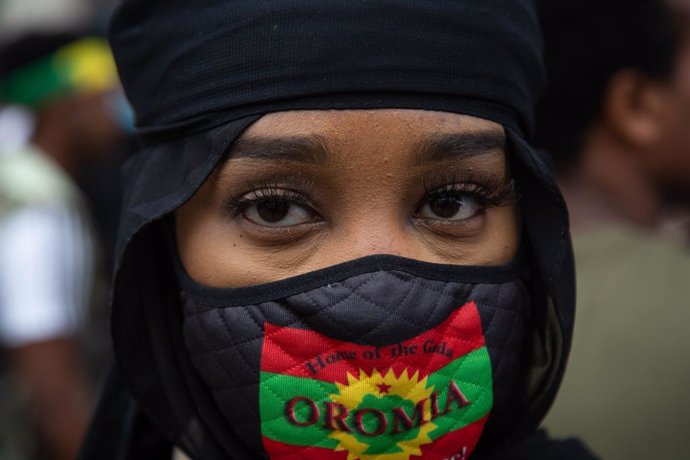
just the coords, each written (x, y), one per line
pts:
(614, 122)
(63, 133)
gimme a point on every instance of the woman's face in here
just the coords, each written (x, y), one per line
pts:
(304, 190)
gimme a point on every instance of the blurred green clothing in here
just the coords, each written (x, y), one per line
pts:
(626, 391)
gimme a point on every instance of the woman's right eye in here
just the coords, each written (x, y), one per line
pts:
(277, 211)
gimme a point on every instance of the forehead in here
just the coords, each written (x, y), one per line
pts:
(379, 140)
(400, 124)
(367, 143)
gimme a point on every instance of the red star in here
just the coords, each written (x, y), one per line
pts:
(383, 388)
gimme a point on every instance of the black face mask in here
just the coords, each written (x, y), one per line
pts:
(379, 358)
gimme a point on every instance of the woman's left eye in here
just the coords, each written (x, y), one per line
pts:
(450, 206)
(277, 212)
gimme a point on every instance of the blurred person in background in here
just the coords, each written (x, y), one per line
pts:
(46, 244)
(616, 116)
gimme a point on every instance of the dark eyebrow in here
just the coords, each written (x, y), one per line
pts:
(449, 146)
(302, 149)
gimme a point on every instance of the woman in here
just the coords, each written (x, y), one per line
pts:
(323, 251)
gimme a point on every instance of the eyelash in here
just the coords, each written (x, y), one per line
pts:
(260, 193)
(490, 192)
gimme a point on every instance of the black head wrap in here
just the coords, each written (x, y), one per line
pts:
(189, 66)
(199, 72)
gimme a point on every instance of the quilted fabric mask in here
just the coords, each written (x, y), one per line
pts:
(379, 358)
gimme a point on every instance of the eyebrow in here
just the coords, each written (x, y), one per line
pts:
(302, 149)
(458, 145)
(313, 149)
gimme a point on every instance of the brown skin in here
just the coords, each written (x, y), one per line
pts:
(359, 182)
(636, 156)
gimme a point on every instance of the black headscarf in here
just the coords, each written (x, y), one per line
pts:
(190, 66)
(199, 72)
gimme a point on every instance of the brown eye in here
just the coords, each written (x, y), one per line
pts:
(450, 206)
(278, 212)
(445, 207)
(273, 211)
